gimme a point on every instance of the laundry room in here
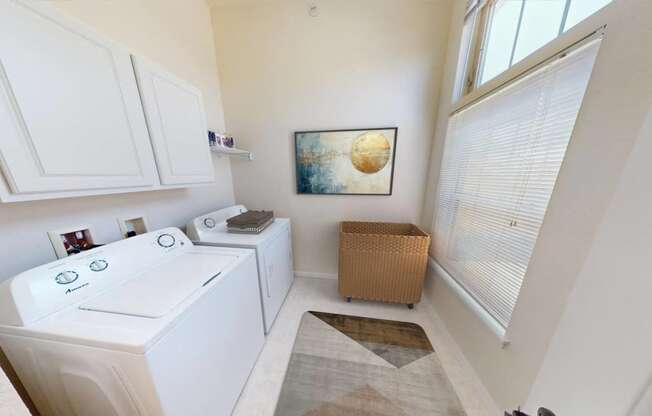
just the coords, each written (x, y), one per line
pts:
(325, 207)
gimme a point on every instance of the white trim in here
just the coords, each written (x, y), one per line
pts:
(477, 309)
(315, 275)
(499, 83)
(574, 37)
(7, 197)
(470, 6)
(564, 18)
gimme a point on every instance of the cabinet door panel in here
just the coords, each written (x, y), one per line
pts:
(177, 125)
(70, 114)
(278, 260)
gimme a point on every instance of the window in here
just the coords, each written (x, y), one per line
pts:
(499, 42)
(579, 10)
(510, 30)
(500, 163)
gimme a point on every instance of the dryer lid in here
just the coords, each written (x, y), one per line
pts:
(157, 291)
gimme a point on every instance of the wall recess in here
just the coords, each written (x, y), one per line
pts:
(71, 240)
(133, 226)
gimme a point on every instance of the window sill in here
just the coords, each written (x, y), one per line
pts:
(492, 324)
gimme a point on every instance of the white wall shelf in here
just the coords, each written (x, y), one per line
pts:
(233, 152)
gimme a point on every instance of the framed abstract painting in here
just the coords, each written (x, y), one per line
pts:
(346, 162)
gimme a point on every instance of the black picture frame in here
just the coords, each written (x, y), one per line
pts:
(296, 161)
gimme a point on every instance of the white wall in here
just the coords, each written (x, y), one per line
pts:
(600, 358)
(363, 63)
(615, 107)
(178, 35)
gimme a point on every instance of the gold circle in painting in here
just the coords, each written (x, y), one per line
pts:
(370, 152)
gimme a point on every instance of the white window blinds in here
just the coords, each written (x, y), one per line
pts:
(500, 163)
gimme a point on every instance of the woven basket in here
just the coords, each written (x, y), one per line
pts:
(382, 261)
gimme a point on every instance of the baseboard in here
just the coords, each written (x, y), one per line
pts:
(315, 275)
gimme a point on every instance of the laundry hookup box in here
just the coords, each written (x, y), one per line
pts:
(382, 261)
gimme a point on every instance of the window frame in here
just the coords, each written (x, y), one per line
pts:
(498, 328)
(466, 91)
(477, 16)
(480, 14)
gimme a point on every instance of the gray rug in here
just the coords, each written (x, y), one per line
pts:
(355, 366)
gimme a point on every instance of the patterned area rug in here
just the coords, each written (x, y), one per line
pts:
(355, 366)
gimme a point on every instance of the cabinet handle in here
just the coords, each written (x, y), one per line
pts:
(269, 273)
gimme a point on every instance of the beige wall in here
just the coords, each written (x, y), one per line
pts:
(364, 63)
(615, 107)
(177, 35)
(599, 361)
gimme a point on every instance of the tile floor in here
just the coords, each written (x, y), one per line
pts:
(10, 403)
(262, 390)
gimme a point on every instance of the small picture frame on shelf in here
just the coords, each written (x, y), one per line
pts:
(225, 141)
(212, 138)
(228, 141)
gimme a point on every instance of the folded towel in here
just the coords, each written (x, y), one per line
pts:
(249, 229)
(250, 219)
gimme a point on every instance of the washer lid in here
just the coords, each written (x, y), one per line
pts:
(157, 291)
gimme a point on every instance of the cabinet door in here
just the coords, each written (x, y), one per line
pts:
(279, 273)
(177, 125)
(70, 114)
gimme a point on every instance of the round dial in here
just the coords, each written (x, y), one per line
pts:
(98, 265)
(66, 277)
(209, 222)
(166, 240)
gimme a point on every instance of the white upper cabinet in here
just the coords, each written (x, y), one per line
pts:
(177, 125)
(70, 113)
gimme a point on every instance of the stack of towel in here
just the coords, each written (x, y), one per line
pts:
(251, 222)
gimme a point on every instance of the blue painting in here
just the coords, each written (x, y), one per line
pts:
(355, 162)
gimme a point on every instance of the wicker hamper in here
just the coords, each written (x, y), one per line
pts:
(382, 261)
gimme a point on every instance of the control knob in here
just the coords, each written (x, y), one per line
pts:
(66, 277)
(166, 240)
(98, 265)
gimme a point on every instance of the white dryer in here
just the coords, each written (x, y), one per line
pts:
(151, 326)
(273, 253)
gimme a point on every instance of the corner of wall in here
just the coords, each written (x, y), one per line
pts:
(446, 82)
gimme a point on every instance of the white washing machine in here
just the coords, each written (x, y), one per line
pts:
(273, 253)
(151, 325)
